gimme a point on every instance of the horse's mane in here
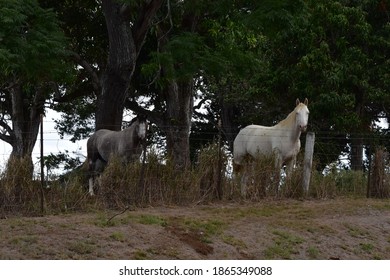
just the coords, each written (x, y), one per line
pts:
(140, 118)
(133, 120)
(291, 117)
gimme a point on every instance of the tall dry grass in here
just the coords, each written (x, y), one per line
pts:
(338, 183)
(120, 185)
(18, 190)
(159, 183)
(162, 184)
(259, 178)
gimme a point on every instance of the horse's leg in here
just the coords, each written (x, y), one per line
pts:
(91, 180)
(289, 170)
(247, 177)
(291, 165)
(91, 183)
(243, 182)
(278, 170)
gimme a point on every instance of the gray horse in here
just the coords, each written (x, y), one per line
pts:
(104, 144)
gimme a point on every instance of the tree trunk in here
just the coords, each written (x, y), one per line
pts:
(120, 67)
(229, 115)
(179, 100)
(25, 123)
(356, 153)
(356, 139)
(25, 127)
(125, 42)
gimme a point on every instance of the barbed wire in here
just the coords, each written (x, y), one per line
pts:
(206, 134)
(325, 138)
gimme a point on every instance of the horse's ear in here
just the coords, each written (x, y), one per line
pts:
(306, 102)
(297, 102)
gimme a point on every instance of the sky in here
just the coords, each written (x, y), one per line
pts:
(52, 143)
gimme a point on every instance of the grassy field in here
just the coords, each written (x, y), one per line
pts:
(342, 228)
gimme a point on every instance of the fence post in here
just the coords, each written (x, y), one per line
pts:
(308, 161)
(42, 168)
(219, 167)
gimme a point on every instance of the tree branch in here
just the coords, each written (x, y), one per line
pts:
(7, 129)
(6, 138)
(154, 117)
(200, 104)
(90, 70)
(74, 94)
(141, 26)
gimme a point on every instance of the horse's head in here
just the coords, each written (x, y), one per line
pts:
(142, 126)
(302, 115)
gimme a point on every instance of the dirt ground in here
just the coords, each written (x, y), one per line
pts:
(343, 228)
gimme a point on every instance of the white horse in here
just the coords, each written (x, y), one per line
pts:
(281, 139)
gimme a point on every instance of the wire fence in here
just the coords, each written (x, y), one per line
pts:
(328, 140)
(165, 185)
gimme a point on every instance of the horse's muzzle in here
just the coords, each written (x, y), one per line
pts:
(303, 128)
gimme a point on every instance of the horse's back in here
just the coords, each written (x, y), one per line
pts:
(95, 137)
(253, 139)
(95, 143)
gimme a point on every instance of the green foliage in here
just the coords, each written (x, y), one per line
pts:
(54, 161)
(336, 54)
(31, 43)
(252, 57)
(32, 62)
(332, 54)
(77, 118)
(84, 25)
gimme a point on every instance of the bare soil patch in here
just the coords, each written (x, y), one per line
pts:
(342, 228)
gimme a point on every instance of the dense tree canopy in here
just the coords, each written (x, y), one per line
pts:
(32, 62)
(337, 54)
(193, 63)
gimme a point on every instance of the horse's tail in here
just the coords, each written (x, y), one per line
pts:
(102, 159)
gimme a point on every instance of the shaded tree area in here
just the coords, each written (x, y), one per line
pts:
(32, 60)
(190, 64)
(336, 53)
(197, 44)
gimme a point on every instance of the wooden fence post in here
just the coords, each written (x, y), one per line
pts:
(42, 169)
(219, 189)
(308, 161)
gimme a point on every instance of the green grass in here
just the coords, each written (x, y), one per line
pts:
(207, 227)
(233, 241)
(356, 231)
(118, 236)
(82, 247)
(367, 247)
(313, 252)
(24, 240)
(151, 220)
(107, 220)
(285, 245)
(140, 255)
